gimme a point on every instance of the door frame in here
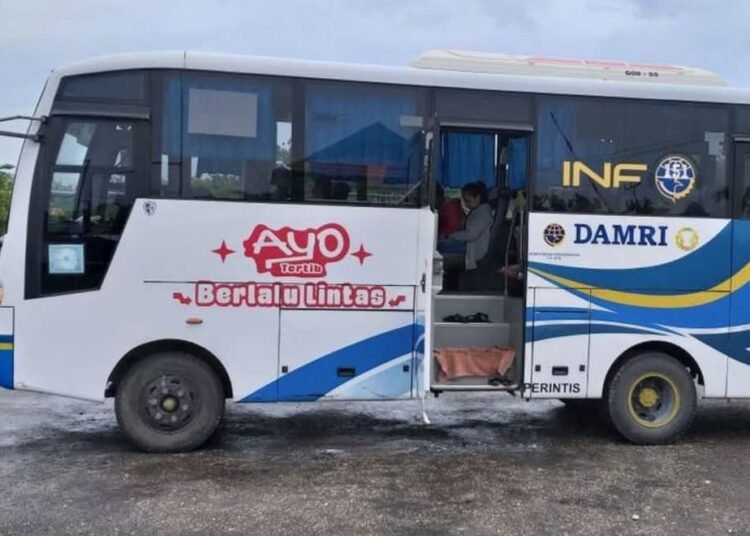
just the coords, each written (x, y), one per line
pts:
(39, 201)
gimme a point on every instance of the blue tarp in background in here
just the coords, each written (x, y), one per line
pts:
(347, 130)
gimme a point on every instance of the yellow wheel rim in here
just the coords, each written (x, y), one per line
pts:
(653, 400)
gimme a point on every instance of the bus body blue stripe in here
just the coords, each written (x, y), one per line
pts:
(6, 363)
(313, 380)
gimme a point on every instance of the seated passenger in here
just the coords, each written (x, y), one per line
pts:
(281, 182)
(321, 188)
(340, 191)
(477, 228)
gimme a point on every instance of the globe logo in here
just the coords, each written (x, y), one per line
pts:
(675, 177)
(554, 234)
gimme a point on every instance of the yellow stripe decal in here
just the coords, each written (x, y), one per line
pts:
(6, 346)
(658, 301)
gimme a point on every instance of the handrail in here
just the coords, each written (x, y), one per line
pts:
(516, 220)
(507, 250)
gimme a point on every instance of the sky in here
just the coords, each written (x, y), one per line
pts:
(38, 35)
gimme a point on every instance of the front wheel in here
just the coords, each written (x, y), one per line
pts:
(651, 399)
(169, 402)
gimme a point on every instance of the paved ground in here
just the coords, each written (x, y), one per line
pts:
(487, 465)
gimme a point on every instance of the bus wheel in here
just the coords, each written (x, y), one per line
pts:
(169, 402)
(651, 399)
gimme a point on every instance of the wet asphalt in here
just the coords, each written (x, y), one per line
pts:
(488, 464)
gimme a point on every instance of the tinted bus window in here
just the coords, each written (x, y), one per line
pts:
(119, 86)
(222, 137)
(742, 121)
(483, 107)
(626, 157)
(363, 144)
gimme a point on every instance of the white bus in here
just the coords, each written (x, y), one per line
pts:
(187, 228)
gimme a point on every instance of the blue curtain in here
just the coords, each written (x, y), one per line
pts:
(171, 138)
(517, 162)
(467, 157)
(349, 129)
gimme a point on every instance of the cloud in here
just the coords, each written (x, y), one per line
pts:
(38, 35)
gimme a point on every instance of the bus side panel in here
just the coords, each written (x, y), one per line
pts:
(371, 359)
(70, 344)
(218, 263)
(560, 351)
(650, 280)
(737, 342)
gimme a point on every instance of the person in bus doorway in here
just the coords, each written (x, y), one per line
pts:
(476, 234)
(450, 214)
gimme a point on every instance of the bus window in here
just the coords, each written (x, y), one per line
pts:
(628, 157)
(120, 86)
(91, 187)
(742, 179)
(742, 120)
(62, 200)
(236, 135)
(363, 144)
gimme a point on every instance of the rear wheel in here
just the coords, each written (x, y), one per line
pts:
(169, 402)
(651, 399)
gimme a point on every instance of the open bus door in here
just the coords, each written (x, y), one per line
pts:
(429, 263)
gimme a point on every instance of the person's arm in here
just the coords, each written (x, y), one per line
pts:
(476, 224)
(515, 271)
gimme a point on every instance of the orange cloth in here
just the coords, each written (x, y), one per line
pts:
(461, 362)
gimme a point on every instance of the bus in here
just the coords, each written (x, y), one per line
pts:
(189, 228)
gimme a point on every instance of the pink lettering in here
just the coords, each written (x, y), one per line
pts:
(291, 252)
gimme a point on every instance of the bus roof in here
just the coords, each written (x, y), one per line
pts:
(485, 62)
(429, 77)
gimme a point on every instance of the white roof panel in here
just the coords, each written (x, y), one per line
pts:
(483, 62)
(405, 76)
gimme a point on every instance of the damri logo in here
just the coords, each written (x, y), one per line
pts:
(621, 235)
(554, 234)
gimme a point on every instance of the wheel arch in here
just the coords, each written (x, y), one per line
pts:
(139, 353)
(672, 350)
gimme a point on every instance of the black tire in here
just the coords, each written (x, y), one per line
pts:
(651, 399)
(169, 402)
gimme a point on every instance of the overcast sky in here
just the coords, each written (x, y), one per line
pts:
(37, 35)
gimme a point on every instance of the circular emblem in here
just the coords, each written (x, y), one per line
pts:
(675, 177)
(686, 239)
(149, 207)
(554, 234)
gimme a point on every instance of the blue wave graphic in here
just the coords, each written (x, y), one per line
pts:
(701, 269)
(313, 380)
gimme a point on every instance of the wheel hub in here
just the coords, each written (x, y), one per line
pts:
(648, 397)
(653, 401)
(168, 402)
